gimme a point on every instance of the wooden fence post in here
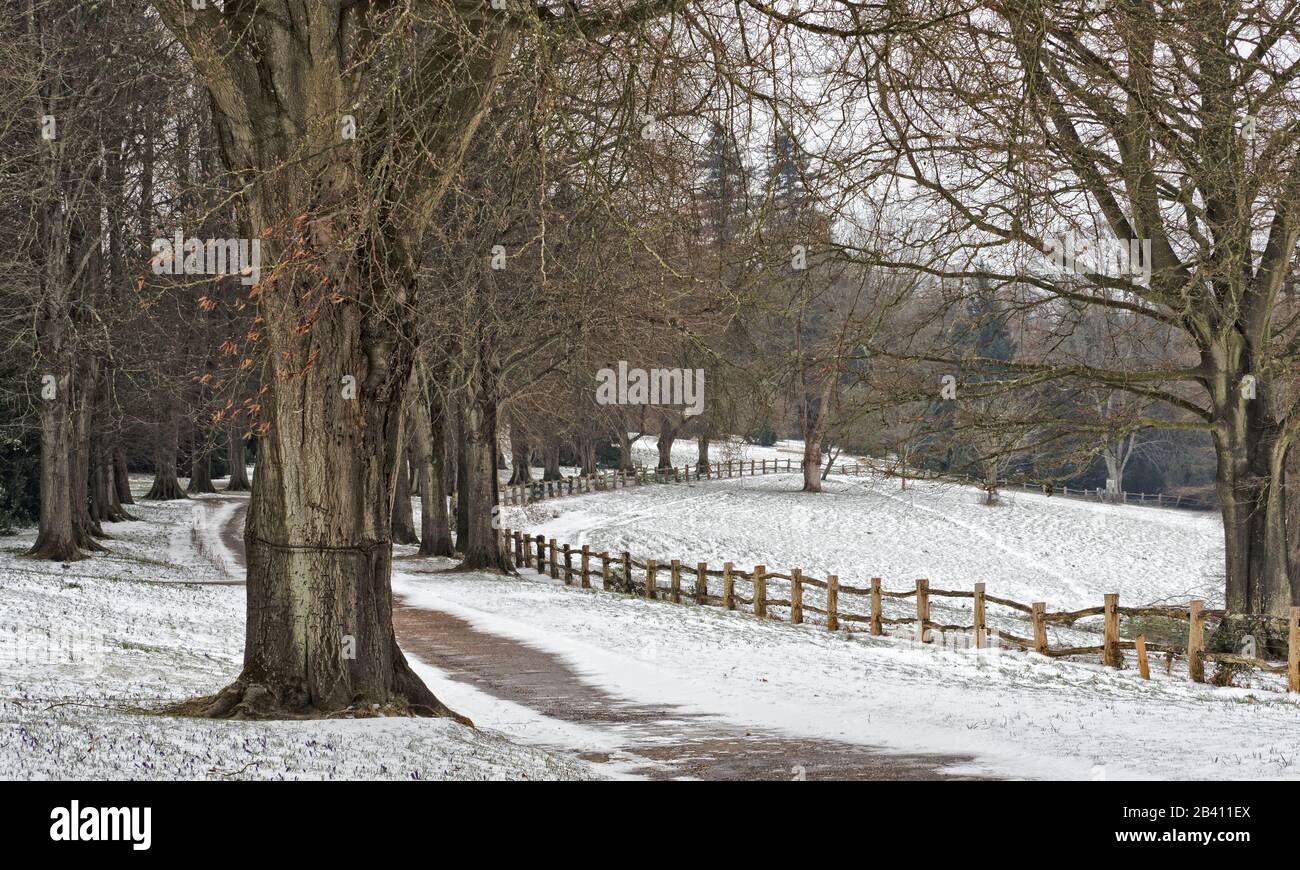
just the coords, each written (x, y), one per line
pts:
(604, 571)
(568, 566)
(1293, 651)
(555, 565)
(728, 588)
(649, 578)
(541, 554)
(1110, 639)
(922, 608)
(702, 583)
(876, 627)
(1196, 641)
(832, 602)
(676, 579)
(586, 562)
(760, 592)
(1040, 627)
(796, 597)
(981, 636)
(1144, 667)
(627, 572)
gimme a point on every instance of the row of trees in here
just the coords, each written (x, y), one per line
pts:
(464, 211)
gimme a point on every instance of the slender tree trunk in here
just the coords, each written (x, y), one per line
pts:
(551, 458)
(85, 526)
(520, 471)
(668, 429)
(427, 442)
(479, 478)
(121, 476)
(200, 466)
(625, 461)
(702, 458)
(815, 419)
(237, 459)
(403, 518)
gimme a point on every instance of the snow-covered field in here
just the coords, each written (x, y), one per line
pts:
(1019, 714)
(168, 636)
(84, 649)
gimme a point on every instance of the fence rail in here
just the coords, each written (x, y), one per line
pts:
(660, 580)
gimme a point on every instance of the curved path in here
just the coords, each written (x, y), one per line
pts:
(653, 740)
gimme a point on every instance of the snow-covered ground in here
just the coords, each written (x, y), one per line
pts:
(85, 648)
(1019, 714)
(167, 636)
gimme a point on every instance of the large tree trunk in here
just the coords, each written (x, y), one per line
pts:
(1249, 482)
(1251, 500)
(237, 459)
(166, 483)
(337, 298)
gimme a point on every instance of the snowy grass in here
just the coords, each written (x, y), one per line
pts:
(84, 648)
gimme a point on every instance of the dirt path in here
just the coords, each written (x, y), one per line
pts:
(654, 740)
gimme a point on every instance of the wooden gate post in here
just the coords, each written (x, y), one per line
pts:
(1111, 655)
(796, 597)
(1196, 641)
(676, 589)
(981, 631)
(1293, 651)
(832, 602)
(922, 608)
(876, 627)
(702, 583)
(728, 588)
(1144, 667)
(1040, 627)
(649, 578)
(760, 592)
(586, 563)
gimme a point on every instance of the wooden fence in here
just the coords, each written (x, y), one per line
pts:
(660, 580)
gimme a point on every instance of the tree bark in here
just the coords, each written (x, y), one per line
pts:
(403, 517)
(520, 472)
(426, 443)
(551, 457)
(237, 459)
(121, 476)
(702, 456)
(669, 426)
(479, 547)
(200, 467)
(166, 483)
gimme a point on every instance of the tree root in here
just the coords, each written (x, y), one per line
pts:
(253, 701)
